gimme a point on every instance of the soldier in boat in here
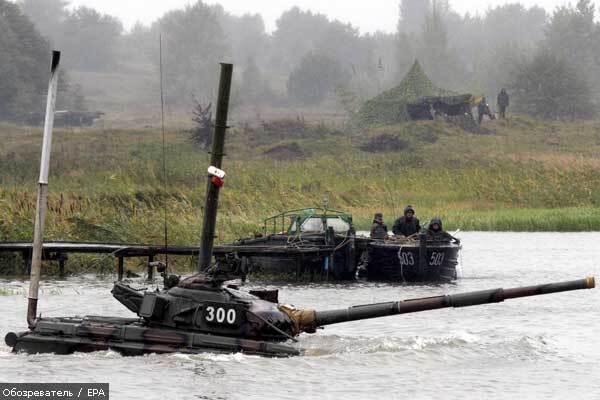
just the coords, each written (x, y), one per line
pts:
(408, 224)
(436, 232)
(379, 229)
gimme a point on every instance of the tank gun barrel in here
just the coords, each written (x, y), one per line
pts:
(322, 318)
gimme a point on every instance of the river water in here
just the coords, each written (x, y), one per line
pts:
(533, 348)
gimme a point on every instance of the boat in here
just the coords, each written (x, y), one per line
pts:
(306, 244)
(318, 244)
(413, 259)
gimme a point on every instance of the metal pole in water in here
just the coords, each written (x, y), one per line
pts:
(422, 256)
(42, 198)
(216, 159)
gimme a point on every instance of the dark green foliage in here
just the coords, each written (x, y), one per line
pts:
(24, 63)
(390, 106)
(434, 51)
(87, 38)
(90, 39)
(246, 35)
(573, 34)
(285, 151)
(316, 77)
(412, 15)
(348, 99)
(193, 42)
(201, 134)
(385, 143)
(254, 86)
(48, 17)
(288, 128)
(298, 33)
(94, 232)
(551, 87)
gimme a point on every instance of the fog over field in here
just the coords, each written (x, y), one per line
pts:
(320, 60)
(368, 16)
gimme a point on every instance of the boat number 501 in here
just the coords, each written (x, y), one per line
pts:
(220, 315)
(437, 258)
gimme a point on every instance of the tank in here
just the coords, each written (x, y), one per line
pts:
(205, 313)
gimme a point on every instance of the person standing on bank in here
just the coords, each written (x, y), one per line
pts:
(503, 102)
(379, 229)
(483, 108)
(408, 224)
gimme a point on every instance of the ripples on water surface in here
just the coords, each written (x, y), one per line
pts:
(543, 347)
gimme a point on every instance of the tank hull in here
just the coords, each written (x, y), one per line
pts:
(130, 337)
(402, 262)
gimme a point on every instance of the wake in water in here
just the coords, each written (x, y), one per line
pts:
(455, 344)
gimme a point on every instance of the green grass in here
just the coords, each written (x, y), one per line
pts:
(106, 185)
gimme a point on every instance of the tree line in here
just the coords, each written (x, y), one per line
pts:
(547, 60)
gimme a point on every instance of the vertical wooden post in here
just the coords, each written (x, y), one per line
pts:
(62, 259)
(150, 267)
(26, 262)
(351, 253)
(120, 268)
(422, 256)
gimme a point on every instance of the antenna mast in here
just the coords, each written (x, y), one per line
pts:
(164, 149)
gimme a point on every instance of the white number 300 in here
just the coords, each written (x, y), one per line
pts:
(220, 315)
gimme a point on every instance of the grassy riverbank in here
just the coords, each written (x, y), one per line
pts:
(106, 185)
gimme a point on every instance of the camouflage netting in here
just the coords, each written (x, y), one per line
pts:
(390, 106)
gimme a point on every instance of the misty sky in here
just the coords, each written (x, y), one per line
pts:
(368, 15)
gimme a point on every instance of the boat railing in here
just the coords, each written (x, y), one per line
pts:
(282, 222)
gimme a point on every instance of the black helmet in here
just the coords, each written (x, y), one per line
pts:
(408, 208)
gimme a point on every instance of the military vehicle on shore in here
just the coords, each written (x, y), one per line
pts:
(68, 118)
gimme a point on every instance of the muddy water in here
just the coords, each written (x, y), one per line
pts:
(544, 347)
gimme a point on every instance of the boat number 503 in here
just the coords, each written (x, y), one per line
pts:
(406, 258)
(220, 315)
